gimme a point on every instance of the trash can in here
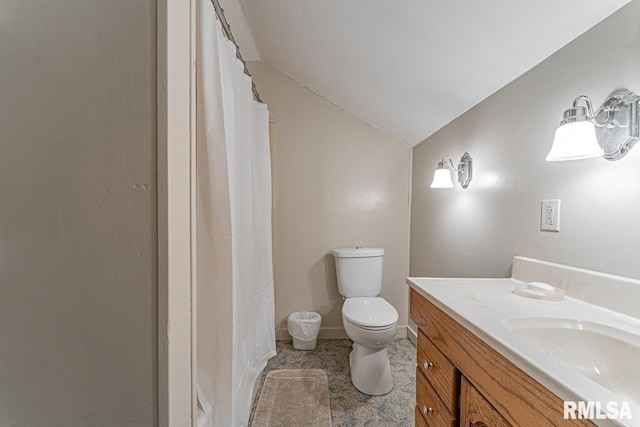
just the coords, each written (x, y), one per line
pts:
(304, 327)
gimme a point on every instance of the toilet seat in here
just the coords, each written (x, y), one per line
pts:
(371, 313)
(371, 328)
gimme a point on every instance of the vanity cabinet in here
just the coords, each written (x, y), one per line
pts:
(461, 380)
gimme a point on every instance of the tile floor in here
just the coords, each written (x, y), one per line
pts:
(349, 407)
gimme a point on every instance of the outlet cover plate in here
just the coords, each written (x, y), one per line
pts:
(550, 215)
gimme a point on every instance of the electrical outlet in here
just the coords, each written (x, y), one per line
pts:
(550, 215)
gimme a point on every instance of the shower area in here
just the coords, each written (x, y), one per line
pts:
(234, 331)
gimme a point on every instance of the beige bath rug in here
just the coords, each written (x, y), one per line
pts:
(294, 397)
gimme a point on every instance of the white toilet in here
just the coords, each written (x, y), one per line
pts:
(371, 322)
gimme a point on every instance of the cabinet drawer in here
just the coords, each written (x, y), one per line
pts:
(431, 406)
(425, 317)
(443, 376)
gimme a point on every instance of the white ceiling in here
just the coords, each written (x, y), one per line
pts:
(409, 67)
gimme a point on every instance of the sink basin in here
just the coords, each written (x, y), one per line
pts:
(606, 355)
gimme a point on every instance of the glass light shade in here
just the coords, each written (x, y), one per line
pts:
(575, 141)
(442, 178)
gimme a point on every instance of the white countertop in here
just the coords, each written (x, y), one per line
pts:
(482, 305)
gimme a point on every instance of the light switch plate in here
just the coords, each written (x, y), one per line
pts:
(550, 215)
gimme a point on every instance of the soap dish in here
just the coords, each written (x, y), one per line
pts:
(538, 290)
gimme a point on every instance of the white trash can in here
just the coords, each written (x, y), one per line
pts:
(304, 327)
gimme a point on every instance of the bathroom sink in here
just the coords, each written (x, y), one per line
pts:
(605, 354)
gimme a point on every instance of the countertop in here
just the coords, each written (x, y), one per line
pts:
(482, 305)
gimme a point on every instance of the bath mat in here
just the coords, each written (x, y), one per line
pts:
(294, 397)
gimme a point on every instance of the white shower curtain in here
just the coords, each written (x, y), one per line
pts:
(235, 325)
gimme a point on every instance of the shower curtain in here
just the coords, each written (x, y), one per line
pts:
(235, 325)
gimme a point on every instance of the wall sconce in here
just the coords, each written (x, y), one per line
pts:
(609, 132)
(442, 175)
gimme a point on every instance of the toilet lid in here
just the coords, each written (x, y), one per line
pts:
(369, 312)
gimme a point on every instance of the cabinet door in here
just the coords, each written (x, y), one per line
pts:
(475, 411)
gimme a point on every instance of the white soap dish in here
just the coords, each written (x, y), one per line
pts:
(538, 290)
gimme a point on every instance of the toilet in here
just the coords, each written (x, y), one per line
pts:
(370, 321)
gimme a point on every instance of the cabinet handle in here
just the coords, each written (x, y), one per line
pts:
(426, 411)
(426, 365)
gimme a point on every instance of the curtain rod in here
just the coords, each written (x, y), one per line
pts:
(227, 32)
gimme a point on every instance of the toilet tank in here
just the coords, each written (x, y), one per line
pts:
(359, 271)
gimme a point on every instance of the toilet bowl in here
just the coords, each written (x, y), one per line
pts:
(369, 321)
(371, 324)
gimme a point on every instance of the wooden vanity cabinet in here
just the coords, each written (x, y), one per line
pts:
(473, 383)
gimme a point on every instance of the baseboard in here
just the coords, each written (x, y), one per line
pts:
(412, 335)
(336, 333)
(401, 332)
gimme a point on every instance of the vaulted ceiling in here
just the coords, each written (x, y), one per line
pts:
(408, 67)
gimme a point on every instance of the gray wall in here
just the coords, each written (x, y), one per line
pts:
(476, 232)
(77, 213)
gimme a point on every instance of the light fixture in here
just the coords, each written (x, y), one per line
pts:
(609, 132)
(442, 175)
